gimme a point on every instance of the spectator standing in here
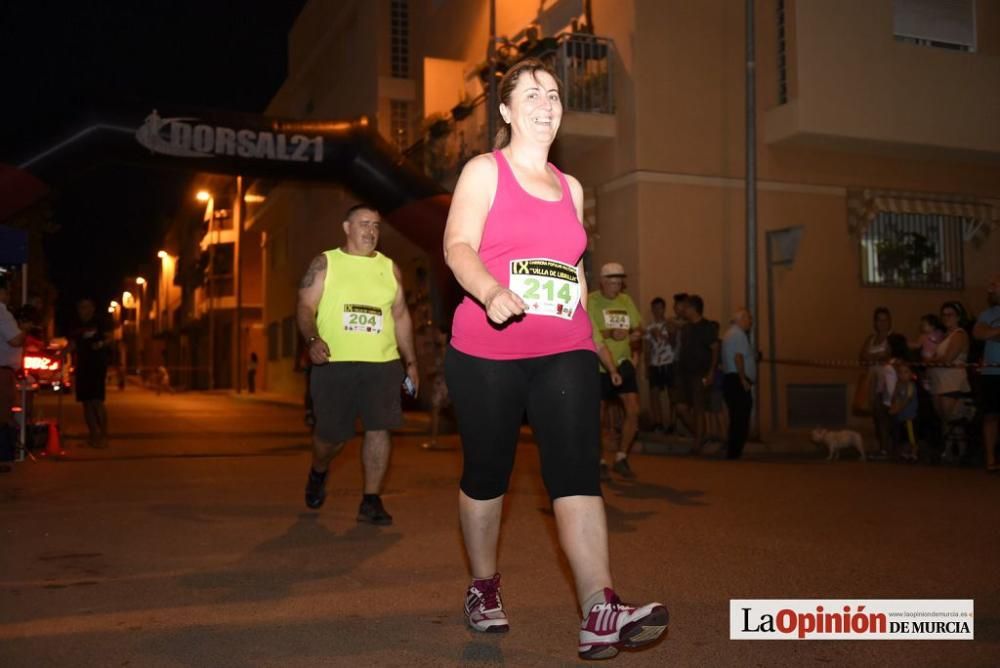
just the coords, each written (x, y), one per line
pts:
(987, 329)
(12, 338)
(660, 360)
(950, 381)
(91, 345)
(932, 332)
(739, 366)
(874, 353)
(904, 411)
(431, 345)
(674, 325)
(252, 373)
(699, 356)
(616, 319)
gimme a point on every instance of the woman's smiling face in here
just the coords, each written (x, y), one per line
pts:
(535, 110)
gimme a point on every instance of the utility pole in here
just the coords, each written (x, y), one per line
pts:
(210, 286)
(238, 269)
(751, 188)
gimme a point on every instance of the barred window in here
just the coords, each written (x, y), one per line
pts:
(399, 123)
(913, 250)
(782, 54)
(400, 39)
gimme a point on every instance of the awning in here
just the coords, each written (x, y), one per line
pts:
(980, 216)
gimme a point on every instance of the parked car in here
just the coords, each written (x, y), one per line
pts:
(49, 365)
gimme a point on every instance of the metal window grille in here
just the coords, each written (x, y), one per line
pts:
(400, 39)
(399, 123)
(585, 66)
(782, 55)
(912, 250)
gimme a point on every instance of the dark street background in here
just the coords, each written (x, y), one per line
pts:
(187, 543)
(68, 65)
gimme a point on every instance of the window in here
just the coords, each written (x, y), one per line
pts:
(289, 337)
(399, 123)
(400, 39)
(272, 342)
(913, 250)
(946, 24)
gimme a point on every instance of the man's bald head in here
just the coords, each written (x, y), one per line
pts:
(742, 319)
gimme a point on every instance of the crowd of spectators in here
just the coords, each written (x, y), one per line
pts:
(933, 396)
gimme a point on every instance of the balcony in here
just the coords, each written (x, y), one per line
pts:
(852, 86)
(585, 65)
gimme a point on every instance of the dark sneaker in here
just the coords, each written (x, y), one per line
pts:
(315, 489)
(623, 469)
(483, 607)
(605, 472)
(373, 512)
(612, 625)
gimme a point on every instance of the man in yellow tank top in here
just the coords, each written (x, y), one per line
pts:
(353, 315)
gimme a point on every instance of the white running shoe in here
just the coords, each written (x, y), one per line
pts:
(612, 625)
(484, 608)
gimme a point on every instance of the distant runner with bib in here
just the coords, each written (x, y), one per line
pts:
(522, 343)
(354, 318)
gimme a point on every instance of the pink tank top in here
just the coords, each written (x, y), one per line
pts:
(527, 245)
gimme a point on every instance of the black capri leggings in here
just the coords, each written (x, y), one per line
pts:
(562, 396)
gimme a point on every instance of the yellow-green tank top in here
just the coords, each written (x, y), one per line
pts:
(355, 313)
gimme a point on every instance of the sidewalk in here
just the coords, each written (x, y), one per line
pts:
(795, 442)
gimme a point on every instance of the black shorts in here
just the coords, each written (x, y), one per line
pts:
(629, 383)
(989, 395)
(560, 394)
(341, 391)
(661, 377)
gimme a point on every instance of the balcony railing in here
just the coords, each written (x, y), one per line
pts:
(584, 64)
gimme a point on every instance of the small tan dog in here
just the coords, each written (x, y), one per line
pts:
(835, 441)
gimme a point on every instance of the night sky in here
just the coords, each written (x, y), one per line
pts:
(67, 65)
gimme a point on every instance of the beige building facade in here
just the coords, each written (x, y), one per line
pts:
(876, 138)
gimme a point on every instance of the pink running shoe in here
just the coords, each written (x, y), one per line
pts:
(612, 625)
(483, 607)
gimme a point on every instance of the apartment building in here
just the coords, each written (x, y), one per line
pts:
(877, 153)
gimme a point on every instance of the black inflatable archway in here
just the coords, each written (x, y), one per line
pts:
(351, 153)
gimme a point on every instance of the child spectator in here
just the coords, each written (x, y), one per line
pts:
(904, 411)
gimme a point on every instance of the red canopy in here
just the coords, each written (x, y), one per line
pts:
(18, 190)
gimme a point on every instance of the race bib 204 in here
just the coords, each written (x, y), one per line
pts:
(616, 319)
(548, 287)
(362, 318)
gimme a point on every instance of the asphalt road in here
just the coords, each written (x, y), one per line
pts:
(187, 543)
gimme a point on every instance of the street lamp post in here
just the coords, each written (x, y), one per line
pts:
(128, 302)
(238, 216)
(140, 303)
(205, 196)
(162, 291)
